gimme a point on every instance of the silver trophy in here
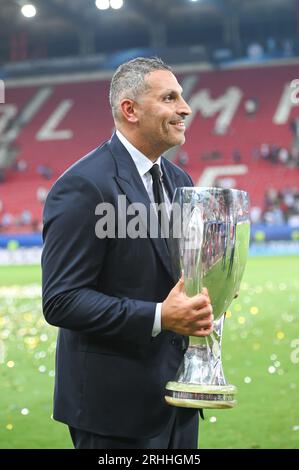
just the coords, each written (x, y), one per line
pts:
(209, 241)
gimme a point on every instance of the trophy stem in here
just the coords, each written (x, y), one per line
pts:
(200, 382)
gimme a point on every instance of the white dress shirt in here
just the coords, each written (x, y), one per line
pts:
(143, 165)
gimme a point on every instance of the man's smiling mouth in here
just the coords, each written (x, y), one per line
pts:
(178, 124)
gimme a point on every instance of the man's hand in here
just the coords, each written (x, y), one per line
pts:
(190, 316)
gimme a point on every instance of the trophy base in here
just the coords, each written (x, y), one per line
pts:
(200, 396)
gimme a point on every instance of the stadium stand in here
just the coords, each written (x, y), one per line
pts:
(242, 133)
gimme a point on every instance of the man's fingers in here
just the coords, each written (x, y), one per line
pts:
(208, 323)
(204, 291)
(203, 332)
(180, 285)
(199, 302)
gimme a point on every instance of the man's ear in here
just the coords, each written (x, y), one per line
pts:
(128, 110)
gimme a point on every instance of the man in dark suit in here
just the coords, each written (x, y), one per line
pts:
(123, 320)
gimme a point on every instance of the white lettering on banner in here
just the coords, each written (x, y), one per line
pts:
(211, 173)
(23, 117)
(7, 113)
(225, 106)
(49, 130)
(285, 105)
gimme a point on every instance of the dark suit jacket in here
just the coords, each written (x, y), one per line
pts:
(102, 294)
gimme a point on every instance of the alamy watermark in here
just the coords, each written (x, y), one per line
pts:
(2, 92)
(295, 352)
(136, 221)
(295, 93)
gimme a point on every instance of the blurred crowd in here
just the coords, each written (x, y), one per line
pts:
(280, 207)
(23, 220)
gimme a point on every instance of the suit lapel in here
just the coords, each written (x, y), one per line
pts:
(132, 186)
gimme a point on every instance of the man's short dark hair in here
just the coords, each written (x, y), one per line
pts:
(128, 80)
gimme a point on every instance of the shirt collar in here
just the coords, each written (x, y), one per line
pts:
(142, 162)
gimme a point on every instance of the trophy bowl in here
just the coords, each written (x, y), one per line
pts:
(209, 239)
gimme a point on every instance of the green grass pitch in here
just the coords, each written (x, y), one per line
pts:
(260, 356)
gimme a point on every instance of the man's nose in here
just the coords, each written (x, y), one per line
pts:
(184, 108)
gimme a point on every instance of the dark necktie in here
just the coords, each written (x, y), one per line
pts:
(159, 198)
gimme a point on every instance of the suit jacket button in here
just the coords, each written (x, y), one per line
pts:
(173, 340)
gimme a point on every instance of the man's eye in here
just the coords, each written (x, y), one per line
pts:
(168, 98)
